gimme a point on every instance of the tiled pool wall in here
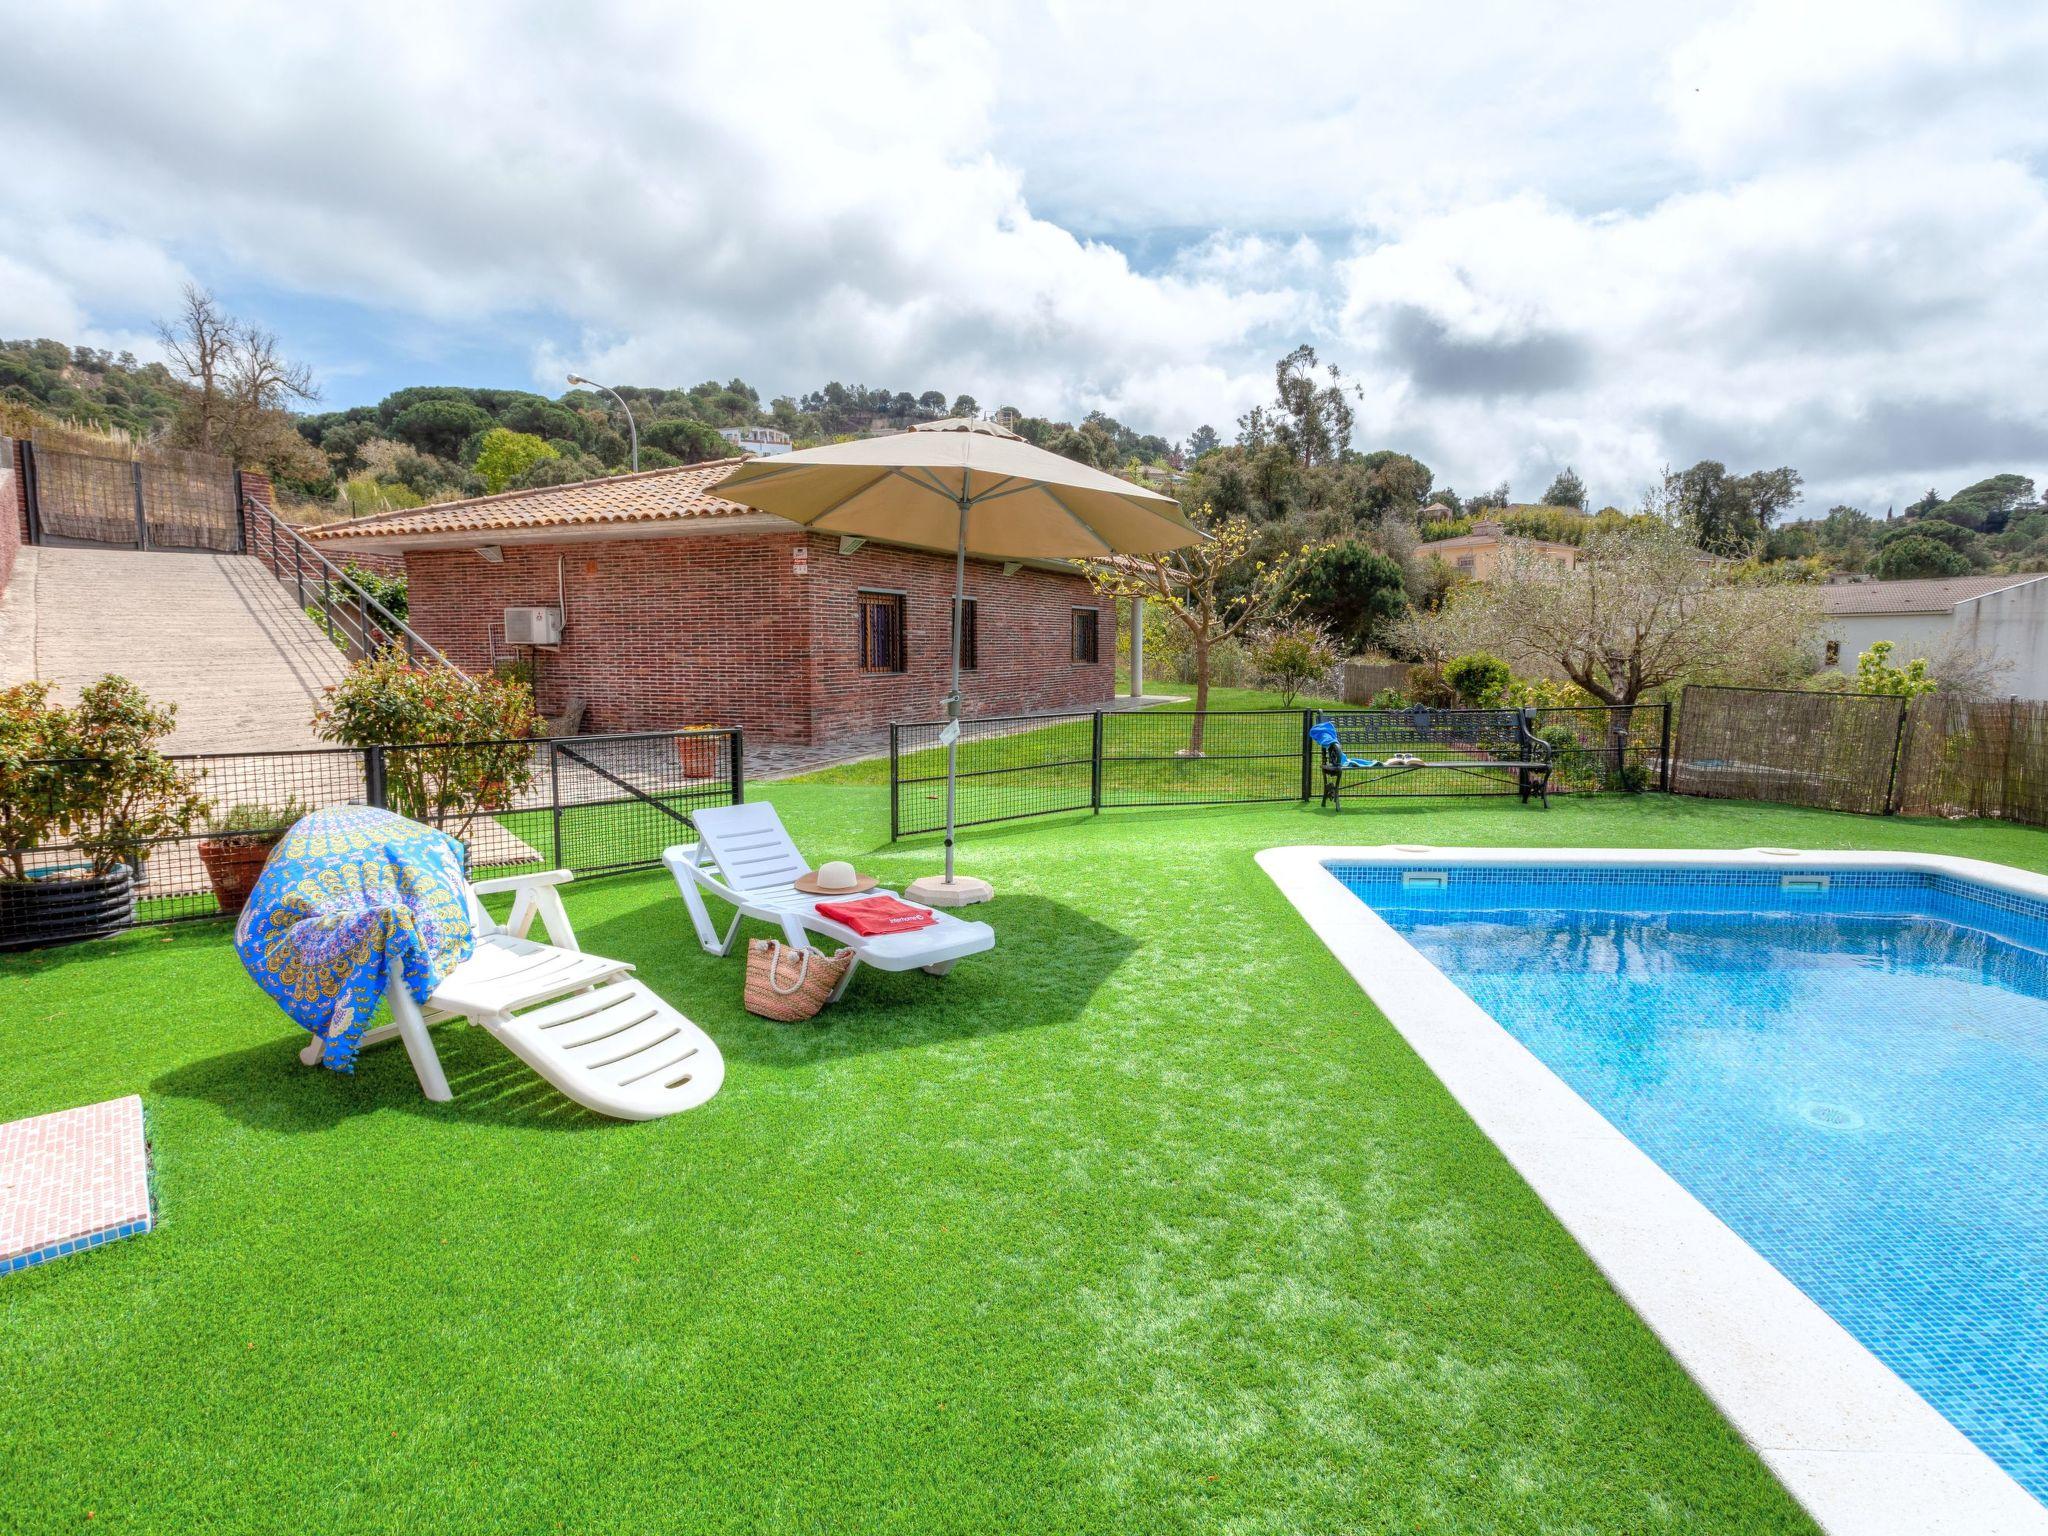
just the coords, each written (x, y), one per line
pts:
(1860, 891)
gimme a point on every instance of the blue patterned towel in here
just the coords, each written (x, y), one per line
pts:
(349, 891)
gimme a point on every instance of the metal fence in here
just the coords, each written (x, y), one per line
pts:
(1040, 765)
(593, 804)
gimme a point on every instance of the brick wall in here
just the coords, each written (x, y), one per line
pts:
(13, 507)
(725, 629)
(1023, 629)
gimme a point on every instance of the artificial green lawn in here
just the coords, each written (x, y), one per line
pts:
(1146, 1222)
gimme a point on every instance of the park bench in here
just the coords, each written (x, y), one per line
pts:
(1466, 751)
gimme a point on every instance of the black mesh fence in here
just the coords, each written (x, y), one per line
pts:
(1598, 748)
(1214, 757)
(1041, 765)
(593, 804)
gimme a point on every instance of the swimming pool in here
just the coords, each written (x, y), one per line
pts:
(1840, 1060)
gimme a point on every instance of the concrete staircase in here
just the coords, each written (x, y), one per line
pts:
(215, 634)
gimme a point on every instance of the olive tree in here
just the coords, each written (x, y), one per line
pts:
(1641, 610)
(1214, 589)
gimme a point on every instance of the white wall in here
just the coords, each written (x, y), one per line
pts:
(2010, 626)
(2013, 626)
(1911, 634)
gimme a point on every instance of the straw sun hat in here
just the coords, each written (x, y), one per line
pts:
(834, 878)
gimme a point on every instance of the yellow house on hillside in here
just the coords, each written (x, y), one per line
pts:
(1476, 555)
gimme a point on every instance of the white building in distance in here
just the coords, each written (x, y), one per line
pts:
(2003, 617)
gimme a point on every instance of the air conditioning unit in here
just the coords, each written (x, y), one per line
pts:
(533, 626)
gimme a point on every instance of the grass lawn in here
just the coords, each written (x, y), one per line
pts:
(1146, 1222)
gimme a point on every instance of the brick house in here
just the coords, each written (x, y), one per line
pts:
(681, 608)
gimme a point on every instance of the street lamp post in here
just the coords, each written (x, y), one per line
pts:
(632, 431)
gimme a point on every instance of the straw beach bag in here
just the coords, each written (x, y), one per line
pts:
(791, 984)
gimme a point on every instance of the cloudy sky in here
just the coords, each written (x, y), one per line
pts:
(1613, 235)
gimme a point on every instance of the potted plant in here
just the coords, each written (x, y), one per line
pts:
(700, 753)
(239, 848)
(91, 782)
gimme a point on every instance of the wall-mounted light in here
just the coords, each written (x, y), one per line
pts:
(491, 554)
(849, 542)
(1012, 567)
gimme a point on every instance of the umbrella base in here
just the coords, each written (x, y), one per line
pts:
(932, 891)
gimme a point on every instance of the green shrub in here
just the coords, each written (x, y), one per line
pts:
(94, 774)
(257, 824)
(1288, 658)
(459, 744)
(1479, 680)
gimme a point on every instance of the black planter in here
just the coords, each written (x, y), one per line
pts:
(59, 910)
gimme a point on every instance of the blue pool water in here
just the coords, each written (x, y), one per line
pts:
(1854, 1078)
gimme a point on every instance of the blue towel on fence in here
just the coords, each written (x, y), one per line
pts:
(1324, 733)
(350, 891)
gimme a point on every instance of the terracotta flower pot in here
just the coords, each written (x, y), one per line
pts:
(232, 864)
(701, 756)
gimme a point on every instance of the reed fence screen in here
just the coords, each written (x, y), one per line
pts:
(156, 498)
(1958, 757)
(593, 804)
(1831, 751)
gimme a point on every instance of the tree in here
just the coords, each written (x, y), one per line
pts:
(440, 427)
(1640, 611)
(931, 403)
(1926, 504)
(1986, 506)
(1202, 440)
(1727, 514)
(1567, 490)
(1312, 420)
(965, 405)
(1352, 590)
(1917, 555)
(200, 341)
(505, 456)
(1189, 586)
(1289, 657)
(688, 440)
(1494, 500)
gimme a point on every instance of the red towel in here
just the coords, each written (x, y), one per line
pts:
(873, 915)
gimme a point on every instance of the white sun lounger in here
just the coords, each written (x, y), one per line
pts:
(746, 858)
(583, 1022)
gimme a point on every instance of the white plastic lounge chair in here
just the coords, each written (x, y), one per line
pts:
(746, 858)
(584, 1023)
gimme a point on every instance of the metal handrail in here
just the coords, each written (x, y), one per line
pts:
(366, 605)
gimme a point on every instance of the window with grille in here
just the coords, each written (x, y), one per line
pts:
(1085, 629)
(970, 627)
(881, 632)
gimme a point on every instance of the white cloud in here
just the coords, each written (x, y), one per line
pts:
(1794, 233)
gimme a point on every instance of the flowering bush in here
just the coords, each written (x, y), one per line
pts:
(93, 773)
(1288, 658)
(458, 744)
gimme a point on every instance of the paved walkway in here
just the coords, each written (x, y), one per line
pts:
(214, 634)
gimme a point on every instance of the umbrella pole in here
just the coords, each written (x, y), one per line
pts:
(944, 890)
(953, 698)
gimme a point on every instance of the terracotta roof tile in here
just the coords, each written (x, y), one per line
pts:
(1932, 594)
(651, 496)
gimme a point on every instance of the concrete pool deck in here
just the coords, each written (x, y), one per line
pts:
(1863, 1452)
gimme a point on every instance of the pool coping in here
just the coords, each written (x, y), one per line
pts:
(1863, 1452)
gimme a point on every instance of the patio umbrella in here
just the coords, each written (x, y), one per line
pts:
(962, 487)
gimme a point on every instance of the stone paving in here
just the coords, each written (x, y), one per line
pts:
(774, 762)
